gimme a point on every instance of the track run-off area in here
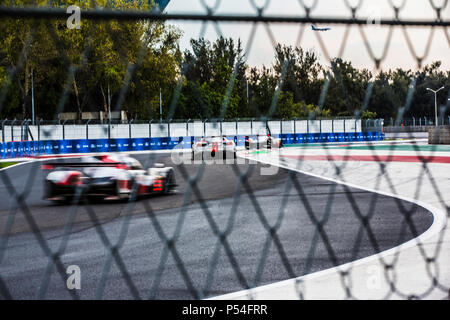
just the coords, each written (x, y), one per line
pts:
(409, 170)
(199, 263)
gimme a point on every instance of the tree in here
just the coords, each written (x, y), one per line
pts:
(301, 72)
(73, 68)
(215, 79)
(347, 87)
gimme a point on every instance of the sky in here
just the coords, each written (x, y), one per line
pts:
(261, 51)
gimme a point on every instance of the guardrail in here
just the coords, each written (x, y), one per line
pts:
(17, 149)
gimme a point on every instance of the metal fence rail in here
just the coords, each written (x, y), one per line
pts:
(418, 121)
(113, 254)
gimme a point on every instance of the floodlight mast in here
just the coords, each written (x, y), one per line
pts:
(435, 103)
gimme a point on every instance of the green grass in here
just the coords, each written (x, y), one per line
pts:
(7, 164)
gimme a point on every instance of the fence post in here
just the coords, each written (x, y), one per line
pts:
(221, 131)
(27, 124)
(425, 119)
(21, 130)
(168, 127)
(236, 120)
(87, 129)
(414, 121)
(204, 127)
(39, 129)
(109, 128)
(344, 126)
(129, 127)
(307, 126)
(3, 129)
(12, 129)
(251, 125)
(63, 130)
(150, 128)
(187, 127)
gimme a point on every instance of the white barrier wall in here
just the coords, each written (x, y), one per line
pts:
(301, 126)
(229, 128)
(197, 128)
(315, 126)
(338, 126)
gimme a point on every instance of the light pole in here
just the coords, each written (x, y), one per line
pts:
(435, 103)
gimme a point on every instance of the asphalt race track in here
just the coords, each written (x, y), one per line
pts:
(23, 264)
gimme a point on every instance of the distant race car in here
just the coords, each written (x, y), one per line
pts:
(106, 177)
(214, 147)
(263, 140)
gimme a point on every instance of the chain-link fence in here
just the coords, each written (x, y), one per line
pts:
(176, 230)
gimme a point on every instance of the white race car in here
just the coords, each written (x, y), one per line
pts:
(214, 147)
(263, 140)
(106, 177)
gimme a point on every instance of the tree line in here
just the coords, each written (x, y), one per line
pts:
(128, 65)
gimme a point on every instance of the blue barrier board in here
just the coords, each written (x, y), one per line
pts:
(17, 149)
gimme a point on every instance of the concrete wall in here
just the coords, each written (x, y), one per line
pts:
(439, 135)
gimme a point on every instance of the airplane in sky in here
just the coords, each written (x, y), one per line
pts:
(319, 29)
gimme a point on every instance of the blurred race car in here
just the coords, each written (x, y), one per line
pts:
(214, 147)
(106, 177)
(263, 140)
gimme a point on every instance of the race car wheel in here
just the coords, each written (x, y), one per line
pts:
(96, 199)
(166, 189)
(62, 201)
(168, 183)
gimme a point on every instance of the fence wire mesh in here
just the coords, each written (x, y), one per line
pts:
(145, 282)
